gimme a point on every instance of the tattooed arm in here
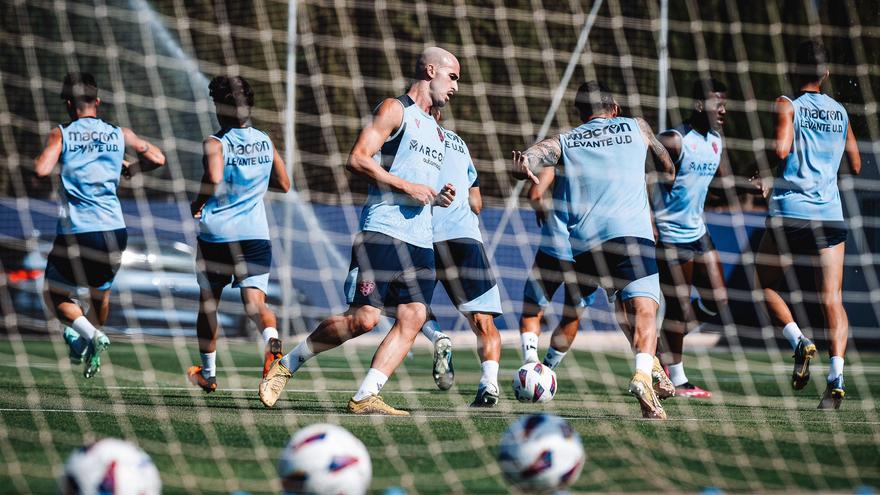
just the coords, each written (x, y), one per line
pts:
(667, 172)
(527, 164)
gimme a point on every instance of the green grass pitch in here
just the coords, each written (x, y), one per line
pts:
(756, 435)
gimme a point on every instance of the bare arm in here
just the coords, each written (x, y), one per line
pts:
(149, 156)
(212, 161)
(784, 135)
(45, 163)
(279, 181)
(852, 152)
(475, 199)
(657, 150)
(537, 192)
(527, 164)
(386, 120)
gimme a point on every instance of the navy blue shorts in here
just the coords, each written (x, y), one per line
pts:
(386, 272)
(244, 263)
(463, 268)
(547, 275)
(797, 236)
(627, 265)
(90, 259)
(683, 252)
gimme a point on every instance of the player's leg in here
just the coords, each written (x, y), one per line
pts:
(577, 298)
(638, 315)
(544, 280)
(830, 283)
(489, 352)
(442, 368)
(771, 267)
(78, 330)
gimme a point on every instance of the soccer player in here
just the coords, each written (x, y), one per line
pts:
(609, 219)
(686, 254)
(463, 268)
(392, 263)
(241, 164)
(91, 233)
(806, 218)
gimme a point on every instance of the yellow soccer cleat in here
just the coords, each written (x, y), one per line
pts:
(663, 386)
(373, 405)
(273, 384)
(641, 388)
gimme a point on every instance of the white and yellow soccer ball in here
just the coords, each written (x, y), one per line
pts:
(110, 466)
(541, 453)
(325, 459)
(534, 382)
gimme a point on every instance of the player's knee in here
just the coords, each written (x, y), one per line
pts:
(364, 320)
(412, 315)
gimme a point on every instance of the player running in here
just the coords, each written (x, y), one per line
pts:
(608, 218)
(463, 268)
(91, 233)
(806, 216)
(241, 164)
(686, 254)
(392, 259)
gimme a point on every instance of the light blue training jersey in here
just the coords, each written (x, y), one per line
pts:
(554, 230)
(91, 163)
(678, 209)
(415, 154)
(457, 221)
(604, 166)
(807, 187)
(236, 212)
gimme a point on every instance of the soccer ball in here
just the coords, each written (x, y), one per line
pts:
(325, 459)
(541, 452)
(110, 466)
(534, 382)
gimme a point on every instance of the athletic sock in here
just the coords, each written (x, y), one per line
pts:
(553, 358)
(529, 342)
(269, 333)
(836, 367)
(676, 374)
(489, 376)
(793, 333)
(299, 355)
(644, 363)
(209, 364)
(84, 328)
(431, 329)
(372, 384)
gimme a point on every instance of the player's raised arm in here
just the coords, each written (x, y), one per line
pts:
(149, 156)
(385, 122)
(44, 163)
(279, 181)
(658, 150)
(211, 177)
(527, 164)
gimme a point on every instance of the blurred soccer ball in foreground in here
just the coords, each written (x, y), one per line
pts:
(325, 459)
(534, 382)
(110, 466)
(541, 452)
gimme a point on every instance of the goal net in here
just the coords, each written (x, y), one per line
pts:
(318, 69)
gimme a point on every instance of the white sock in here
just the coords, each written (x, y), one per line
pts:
(431, 329)
(372, 384)
(529, 342)
(553, 358)
(836, 367)
(489, 374)
(644, 363)
(676, 374)
(269, 333)
(299, 355)
(84, 328)
(209, 364)
(793, 333)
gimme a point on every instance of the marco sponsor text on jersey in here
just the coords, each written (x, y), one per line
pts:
(433, 156)
(586, 138)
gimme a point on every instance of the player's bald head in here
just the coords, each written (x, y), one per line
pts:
(436, 56)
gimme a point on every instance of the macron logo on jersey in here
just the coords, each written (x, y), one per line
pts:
(243, 154)
(818, 119)
(92, 141)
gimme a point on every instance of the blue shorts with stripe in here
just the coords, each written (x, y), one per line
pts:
(90, 259)
(625, 266)
(463, 269)
(244, 263)
(547, 275)
(386, 272)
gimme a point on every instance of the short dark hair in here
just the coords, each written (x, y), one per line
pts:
(703, 88)
(79, 87)
(234, 93)
(811, 60)
(593, 96)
